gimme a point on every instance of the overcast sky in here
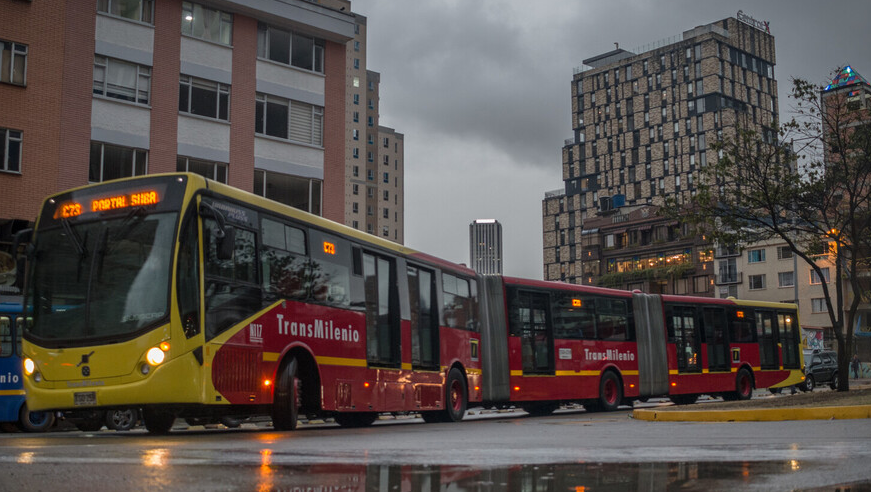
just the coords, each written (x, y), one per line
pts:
(481, 90)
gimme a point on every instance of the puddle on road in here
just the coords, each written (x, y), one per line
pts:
(571, 477)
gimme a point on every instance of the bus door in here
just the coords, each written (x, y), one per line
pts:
(766, 332)
(383, 339)
(424, 319)
(789, 339)
(536, 332)
(684, 330)
(714, 319)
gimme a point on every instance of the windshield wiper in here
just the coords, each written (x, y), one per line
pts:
(74, 238)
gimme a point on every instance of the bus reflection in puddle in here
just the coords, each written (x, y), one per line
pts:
(585, 477)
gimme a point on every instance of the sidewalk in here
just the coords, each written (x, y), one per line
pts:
(697, 414)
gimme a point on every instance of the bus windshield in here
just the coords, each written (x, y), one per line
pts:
(102, 279)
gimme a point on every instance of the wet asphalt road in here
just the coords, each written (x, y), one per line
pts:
(570, 450)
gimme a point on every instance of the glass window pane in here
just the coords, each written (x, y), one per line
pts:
(303, 52)
(279, 45)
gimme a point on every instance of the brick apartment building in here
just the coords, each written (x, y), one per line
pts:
(254, 94)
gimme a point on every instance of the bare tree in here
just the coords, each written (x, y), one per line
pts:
(808, 185)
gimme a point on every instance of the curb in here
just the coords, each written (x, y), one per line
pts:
(755, 415)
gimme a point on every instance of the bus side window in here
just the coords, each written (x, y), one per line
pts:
(330, 270)
(5, 336)
(612, 319)
(284, 261)
(232, 291)
(742, 328)
(460, 302)
(574, 317)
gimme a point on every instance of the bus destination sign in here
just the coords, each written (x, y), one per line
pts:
(72, 208)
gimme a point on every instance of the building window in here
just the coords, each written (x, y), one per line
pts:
(356, 116)
(756, 256)
(138, 10)
(113, 162)
(296, 191)
(356, 46)
(292, 120)
(211, 170)
(818, 305)
(355, 189)
(356, 153)
(386, 213)
(386, 196)
(204, 98)
(205, 23)
(355, 224)
(355, 207)
(356, 171)
(121, 80)
(290, 48)
(13, 63)
(10, 150)
(785, 279)
(784, 253)
(815, 279)
(370, 175)
(385, 231)
(386, 178)
(757, 282)
(356, 134)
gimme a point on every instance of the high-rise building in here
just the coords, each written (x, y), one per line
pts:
(643, 124)
(374, 167)
(485, 246)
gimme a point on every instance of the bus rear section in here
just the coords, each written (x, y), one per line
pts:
(188, 298)
(548, 343)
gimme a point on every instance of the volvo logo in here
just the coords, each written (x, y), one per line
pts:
(86, 371)
(85, 359)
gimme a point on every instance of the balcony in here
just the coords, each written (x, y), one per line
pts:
(727, 278)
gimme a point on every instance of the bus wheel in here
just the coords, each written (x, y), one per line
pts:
(455, 396)
(285, 404)
(122, 420)
(356, 419)
(610, 392)
(743, 385)
(34, 421)
(157, 421)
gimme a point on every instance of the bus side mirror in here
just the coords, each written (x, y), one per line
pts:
(225, 244)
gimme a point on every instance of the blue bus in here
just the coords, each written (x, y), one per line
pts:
(13, 406)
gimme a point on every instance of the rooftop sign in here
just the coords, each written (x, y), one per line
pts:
(761, 25)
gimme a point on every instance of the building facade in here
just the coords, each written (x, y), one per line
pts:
(643, 125)
(485, 246)
(374, 166)
(253, 94)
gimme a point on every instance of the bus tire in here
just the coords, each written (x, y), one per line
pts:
(34, 421)
(122, 419)
(456, 397)
(610, 392)
(285, 404)
(157, 421)
(356, 419)
(743, 385)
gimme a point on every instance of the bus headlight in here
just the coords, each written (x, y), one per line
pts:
(155, 356)
(29, 366)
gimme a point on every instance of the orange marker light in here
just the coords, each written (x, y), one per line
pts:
(164, 346)
(267, 383)
(517, 388)
(365, 385)
(674, 384)
(477, 388)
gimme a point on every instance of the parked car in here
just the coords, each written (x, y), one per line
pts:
(821, 367)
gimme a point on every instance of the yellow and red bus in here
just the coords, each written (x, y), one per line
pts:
(189, 298)
(556, 343)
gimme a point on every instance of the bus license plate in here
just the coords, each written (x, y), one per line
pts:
(87, 398)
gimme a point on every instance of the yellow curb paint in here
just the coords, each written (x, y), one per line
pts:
(757, 415)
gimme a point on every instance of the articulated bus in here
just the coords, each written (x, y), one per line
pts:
(189, 298)
(14, 411)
